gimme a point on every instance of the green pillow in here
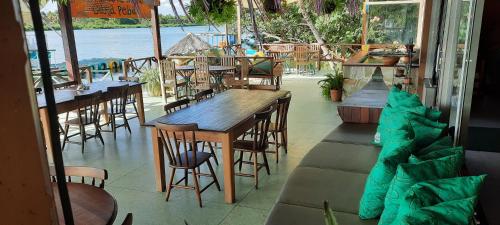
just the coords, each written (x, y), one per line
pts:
(442, 143)
(408, 174)
(263, 67)
(429, 193)
(456, 212)
(393, 153)
(436, 154)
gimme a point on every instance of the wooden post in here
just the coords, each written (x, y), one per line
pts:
(155, 23)
(238, 23)
(364, 24)
(25, 189)
(68, 37)
(424, 44)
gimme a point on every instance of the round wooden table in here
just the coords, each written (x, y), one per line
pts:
(91, 205)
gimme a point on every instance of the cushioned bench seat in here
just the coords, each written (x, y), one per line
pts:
(285, 214)
(340, 156)
(352, 133)
(310, 187)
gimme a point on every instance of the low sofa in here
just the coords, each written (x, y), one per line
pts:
(334, 170)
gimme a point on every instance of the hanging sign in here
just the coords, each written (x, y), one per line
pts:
(112, 8)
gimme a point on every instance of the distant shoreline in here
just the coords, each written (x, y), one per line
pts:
(121, 27)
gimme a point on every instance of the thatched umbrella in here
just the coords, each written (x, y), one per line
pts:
(188, 45)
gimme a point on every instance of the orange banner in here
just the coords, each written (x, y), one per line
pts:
(110, 8)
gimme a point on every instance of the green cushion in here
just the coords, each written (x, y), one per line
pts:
(436, 154)
(430, 193)
(457, 212)
(394, 152)
(401, 102)
(442, 143)
(262, 68)
(409, 174)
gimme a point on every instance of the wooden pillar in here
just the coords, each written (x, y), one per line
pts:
(238, 23)
(25, 189)
(424, 44)
(364, 24)
(68, 37)
(155, 23)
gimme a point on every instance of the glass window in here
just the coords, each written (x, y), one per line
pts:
(392, 22)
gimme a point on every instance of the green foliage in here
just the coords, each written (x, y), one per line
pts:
(152, 79)
(340, 27)
(337, 27)
(392, 24)
(332, 81)
(219, 11)
(52, 21)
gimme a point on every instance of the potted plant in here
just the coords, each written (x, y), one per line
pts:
(331, 86)
(151, 77)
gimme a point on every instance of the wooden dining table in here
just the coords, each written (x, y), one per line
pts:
(65, 102)
(89, 204)
(221, 119)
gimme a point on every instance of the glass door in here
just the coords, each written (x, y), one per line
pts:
(459, 46)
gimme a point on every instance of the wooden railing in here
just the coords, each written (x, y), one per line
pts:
(338, 52)
(133, 67)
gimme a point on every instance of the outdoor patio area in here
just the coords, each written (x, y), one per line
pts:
(129, 161)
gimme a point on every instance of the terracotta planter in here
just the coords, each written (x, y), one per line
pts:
(336, 95)
(407, 81)
(405, 59)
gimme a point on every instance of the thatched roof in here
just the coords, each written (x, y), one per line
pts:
(188, 45)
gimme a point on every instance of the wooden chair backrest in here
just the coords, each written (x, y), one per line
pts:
(94, 174)
(282, 112)
(227, 60)
(201, 71)
(118, 98)
(301, 53)
(128, 219)
(202, 95)
(262, 120)
(177, 105)
(88, 107)
(179, 139)
(167, 70)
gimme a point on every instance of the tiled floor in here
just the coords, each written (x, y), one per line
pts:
(129, 161)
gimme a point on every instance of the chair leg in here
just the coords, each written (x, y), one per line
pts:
(240, 160)
(186, 177)
(169, 187)
(125, 121)
(266, 164)
(276, 145)
(284, 136)
(197, 187)
(135, 109)
(98, 133)
(256, 171)
(213, 153)
(113, 126)
(66, 129)
(82, 135)
(213, 175)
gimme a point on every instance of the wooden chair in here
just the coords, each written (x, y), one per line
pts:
(131, 97)
(92, 174)
(301, 57)
(279, 126)
(182, 152)
(200, 96)
(87, 114)
(315, 54)
(169, 80)
(117, 103)
(177, 105)
(203, 79)
(257, 146)
(263, 87)
(128, 219)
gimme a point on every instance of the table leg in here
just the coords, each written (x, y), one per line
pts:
(104, 107)
(228, 159)
(44, 118)
(140, 106)
(159, 160)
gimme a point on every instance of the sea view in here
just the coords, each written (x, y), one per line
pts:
(116, 43)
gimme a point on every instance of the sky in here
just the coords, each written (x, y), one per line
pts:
(163, 9)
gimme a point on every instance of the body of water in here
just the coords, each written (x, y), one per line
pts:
(116, 43)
